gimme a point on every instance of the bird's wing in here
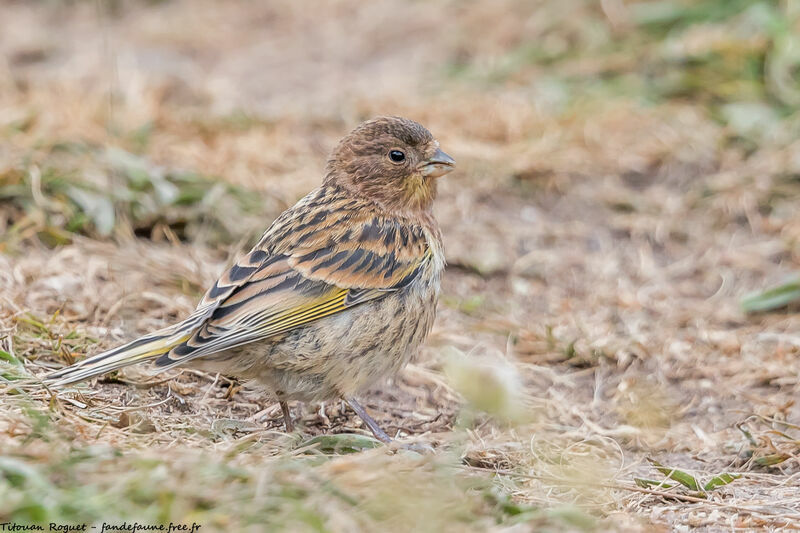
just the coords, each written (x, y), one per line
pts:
(318, 259)
(326, 254)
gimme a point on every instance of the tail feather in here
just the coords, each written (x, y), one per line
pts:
(143, 349)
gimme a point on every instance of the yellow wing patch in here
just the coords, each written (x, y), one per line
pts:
(305, 313)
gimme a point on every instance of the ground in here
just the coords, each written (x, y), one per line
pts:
(628, 173)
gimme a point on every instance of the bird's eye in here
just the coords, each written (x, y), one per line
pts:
(397, 156)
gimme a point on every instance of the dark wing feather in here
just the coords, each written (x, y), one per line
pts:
(327, 254)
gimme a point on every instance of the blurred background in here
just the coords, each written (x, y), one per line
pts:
(622, 234)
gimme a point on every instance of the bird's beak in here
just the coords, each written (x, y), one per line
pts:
(437, 165)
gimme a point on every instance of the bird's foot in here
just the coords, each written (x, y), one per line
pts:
(287, 417)
(381, 435)
(371, 424)
(421, 448)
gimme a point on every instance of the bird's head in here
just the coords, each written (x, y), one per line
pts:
(392, 161)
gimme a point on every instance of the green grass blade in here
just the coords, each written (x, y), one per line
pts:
(772, 298)
(342, 443)
(721, 480)
(687, 480)
(651, 483)
(772, 459)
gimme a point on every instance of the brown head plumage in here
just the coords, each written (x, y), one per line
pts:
(392, 161)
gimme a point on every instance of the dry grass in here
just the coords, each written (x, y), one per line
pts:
(623, 182)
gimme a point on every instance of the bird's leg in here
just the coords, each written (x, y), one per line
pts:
(287, 417)
(371, 424)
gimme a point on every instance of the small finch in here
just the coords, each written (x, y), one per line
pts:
(339, 292)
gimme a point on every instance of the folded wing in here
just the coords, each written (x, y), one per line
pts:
(312, 268)
(325, 255)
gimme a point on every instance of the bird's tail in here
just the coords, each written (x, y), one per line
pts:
(142, 349)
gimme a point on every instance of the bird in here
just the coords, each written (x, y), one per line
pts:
(339, 292)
